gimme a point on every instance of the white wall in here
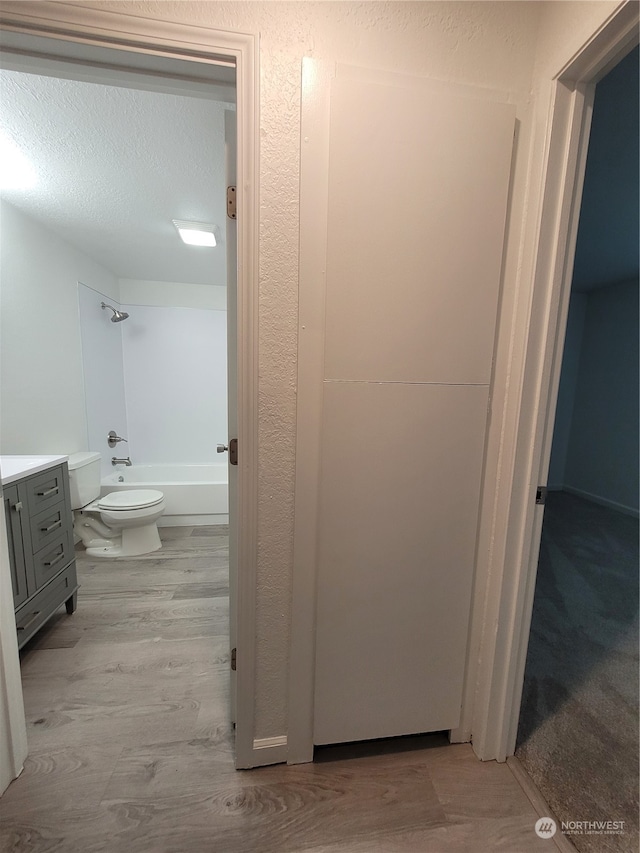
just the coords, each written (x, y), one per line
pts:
(567, 390)
(602, 457)
(103, 374)
(46, 286)
(175, 369)
(484, 44)
(158, 378)
(514, 47)
(42, 407)
(173, 294)
(61, 361)
(42, 404)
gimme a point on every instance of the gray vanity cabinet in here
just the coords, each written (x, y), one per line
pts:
(41, 551)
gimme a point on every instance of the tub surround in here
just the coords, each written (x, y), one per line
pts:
(14, 468)
(194, 495)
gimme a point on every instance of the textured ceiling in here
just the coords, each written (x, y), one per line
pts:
(115, 166)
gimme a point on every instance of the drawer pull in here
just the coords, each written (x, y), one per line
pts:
(30, 621)
(53, 562)
(51, 527)
(52, 491)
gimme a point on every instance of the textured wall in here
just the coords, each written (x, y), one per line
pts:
(484, 44)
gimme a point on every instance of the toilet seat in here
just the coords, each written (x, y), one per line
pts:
(129, 500)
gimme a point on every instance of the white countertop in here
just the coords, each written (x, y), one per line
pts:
(14, 468)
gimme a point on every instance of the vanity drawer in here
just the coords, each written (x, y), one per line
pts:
(41, 607)
(47, 526)
(53, 558)
(46, 489)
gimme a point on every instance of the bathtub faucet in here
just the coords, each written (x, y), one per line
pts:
(115, 461)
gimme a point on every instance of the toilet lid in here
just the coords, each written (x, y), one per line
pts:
(133, 499)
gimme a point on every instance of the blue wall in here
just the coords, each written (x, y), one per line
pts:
(595, 441)
(567, 390)
(607, 247)
(602, 455)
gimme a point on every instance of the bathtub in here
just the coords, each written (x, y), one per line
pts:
(194, 494)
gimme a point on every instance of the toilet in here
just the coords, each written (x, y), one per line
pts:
(120, 524)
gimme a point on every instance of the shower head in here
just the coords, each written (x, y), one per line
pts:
(118, 316)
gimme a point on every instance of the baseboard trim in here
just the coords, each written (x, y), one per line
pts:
(269, 750)
(459, 735)
(192, 520)
(540, 805)
(596, 499)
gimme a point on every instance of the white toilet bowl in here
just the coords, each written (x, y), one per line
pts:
(120, 524)
(127, 526)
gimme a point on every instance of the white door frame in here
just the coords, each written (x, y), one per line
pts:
(13, 730)
(67, 26)
(502, 617)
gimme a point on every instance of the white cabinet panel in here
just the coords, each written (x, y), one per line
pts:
(404, 188)
(418, 184)
(399, 494)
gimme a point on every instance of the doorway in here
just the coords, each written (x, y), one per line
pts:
(580, 698)
(238, 52)
(495, 712)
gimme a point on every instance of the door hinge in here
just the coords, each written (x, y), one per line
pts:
(233, 451)
(234, 657)
(541, 495)
(231, 202)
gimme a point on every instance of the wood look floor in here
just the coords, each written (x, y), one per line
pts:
(131, 748)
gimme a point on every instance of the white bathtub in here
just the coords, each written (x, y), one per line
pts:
(194, 494)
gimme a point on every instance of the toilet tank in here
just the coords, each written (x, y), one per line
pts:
(84, 478)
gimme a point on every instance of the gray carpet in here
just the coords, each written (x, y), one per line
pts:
(578, 732)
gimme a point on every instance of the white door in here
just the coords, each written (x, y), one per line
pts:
(418, 177)
(232, 385)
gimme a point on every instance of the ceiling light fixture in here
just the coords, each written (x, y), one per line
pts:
(16, 172)
(195, 233)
